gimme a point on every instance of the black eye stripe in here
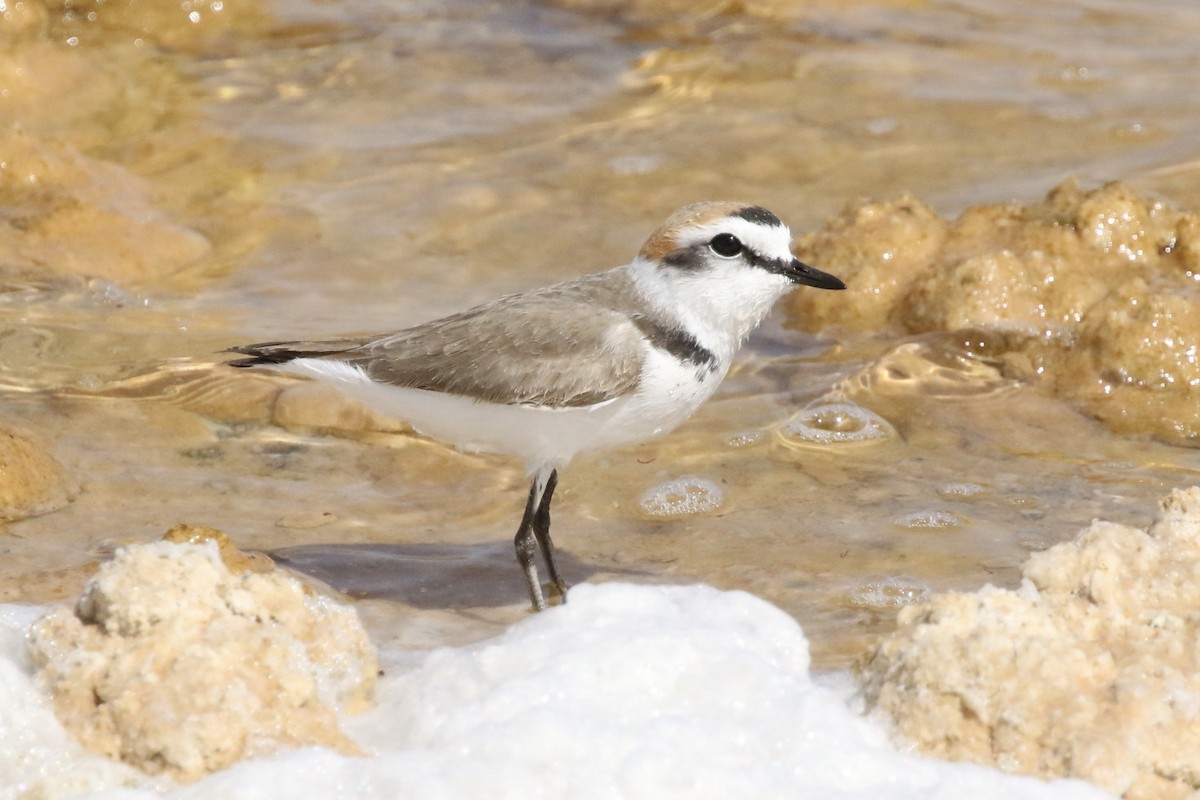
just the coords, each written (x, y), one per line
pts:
(698, 257)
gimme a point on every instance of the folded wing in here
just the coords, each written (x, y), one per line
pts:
(524, 349)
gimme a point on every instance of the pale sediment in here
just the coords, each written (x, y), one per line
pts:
(183, 658)
(1088, 670)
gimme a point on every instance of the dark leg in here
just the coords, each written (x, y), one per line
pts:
(526, 545)
(541, 529)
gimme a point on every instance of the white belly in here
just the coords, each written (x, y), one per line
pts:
(668, 393)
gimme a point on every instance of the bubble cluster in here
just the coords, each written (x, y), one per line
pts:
(889, 593)
(959, 491)
(928, 519)
(835, 424)
(935, 369)
(682, 497)
(745, 438)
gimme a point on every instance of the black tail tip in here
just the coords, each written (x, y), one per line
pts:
(264, 354)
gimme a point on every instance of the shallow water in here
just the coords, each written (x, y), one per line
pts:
(310, 169)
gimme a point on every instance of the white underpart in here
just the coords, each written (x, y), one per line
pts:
(540, 436)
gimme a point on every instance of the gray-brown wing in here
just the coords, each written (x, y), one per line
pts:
(520, 349)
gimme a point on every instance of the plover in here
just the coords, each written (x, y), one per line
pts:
(592, 363)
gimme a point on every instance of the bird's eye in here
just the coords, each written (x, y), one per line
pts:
(726, 245)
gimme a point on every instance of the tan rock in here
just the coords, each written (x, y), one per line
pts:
(879, 249)
(1089, 670)
(174, 664)
(234, 559)
(31, 480)
(1090, 293)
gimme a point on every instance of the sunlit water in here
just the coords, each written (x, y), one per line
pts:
(362, 166)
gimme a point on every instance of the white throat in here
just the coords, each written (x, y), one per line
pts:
(719, 305)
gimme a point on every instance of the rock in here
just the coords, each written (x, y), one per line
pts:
(1090, 293)
(175, 664)
(235, 560)
(1090, 669)
(32, 482)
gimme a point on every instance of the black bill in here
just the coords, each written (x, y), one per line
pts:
(799, 272)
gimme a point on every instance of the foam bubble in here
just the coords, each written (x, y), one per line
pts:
(889, 593)
(746, 438)
(682, 497)
(932, 518)
(960, 491)
(836, 423)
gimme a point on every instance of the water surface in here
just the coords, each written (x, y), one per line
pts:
(181, 180)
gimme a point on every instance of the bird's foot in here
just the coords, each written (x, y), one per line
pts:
(535, 588)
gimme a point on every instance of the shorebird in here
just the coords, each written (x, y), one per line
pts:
(604, 360)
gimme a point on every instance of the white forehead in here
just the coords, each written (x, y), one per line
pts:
(769, 241)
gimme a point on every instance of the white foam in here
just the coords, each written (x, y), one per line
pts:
(929, 518)
(889, 593)
(837, 423)
(37, 757)
(682, 497)
(626, 692)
